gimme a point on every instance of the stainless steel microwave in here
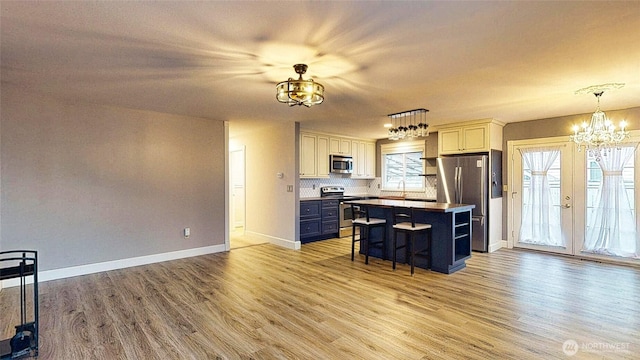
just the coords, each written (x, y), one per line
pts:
(341, 164)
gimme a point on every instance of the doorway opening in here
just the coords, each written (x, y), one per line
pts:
(238, 237)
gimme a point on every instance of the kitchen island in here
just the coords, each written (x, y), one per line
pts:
(450, 231)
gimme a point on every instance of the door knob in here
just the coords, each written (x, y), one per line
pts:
(566, 206)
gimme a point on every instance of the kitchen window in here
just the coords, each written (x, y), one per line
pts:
(402, 162)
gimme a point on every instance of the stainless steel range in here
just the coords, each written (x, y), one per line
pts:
(346, 215)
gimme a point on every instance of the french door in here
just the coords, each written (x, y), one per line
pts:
(570, 202)
(542, 195)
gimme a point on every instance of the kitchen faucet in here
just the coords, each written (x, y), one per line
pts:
(404, 193)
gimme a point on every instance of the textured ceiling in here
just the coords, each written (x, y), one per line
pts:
(511, 61)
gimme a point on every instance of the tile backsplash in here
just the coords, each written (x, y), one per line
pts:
(311, 187)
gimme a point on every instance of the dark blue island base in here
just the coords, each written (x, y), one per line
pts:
(450, 226)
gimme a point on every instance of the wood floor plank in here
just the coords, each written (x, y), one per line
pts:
(267, 302)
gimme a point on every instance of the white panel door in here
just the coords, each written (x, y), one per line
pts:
(237, 170)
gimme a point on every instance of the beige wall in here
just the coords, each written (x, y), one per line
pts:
(563, 125)
(271, 211)
(85, 184)
(553, 127)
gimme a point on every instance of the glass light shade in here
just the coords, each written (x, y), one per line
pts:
(300, 92)
(408, 124)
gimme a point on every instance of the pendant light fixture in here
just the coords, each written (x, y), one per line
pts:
(408, 124)
(300, 92)
(600, 135)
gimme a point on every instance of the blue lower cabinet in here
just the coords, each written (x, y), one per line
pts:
(330, 227)
(319, 220)
(310, 228)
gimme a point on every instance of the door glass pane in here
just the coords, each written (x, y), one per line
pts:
(610, 211)
(541, 199)
(594, 182)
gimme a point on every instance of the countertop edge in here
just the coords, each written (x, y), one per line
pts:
(424, 205)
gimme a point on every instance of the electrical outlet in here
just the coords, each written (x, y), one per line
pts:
(187, 232)
(289, 188)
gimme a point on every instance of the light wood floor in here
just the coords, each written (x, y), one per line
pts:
(240, 239)
(266, 302)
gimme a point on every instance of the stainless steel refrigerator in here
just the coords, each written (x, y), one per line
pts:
(464, 179)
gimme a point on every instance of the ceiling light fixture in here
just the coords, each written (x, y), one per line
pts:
(300, 92)
(599, 136)
(408, 124)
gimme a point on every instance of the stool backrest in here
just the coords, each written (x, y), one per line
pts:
(401, 215)
(359, 211)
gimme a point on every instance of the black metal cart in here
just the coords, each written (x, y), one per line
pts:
(21, 264)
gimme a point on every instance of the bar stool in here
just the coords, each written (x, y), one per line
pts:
(366, 224)
(404, 222)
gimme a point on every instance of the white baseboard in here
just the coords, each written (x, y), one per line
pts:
(289, 244)
(497, 245)
(55, 274)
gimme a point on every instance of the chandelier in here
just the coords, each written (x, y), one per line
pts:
(599, 136)
(408, 124)
(300, 92)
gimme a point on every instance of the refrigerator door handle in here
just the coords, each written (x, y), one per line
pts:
(456, 185)
(460, 182)
(483, 183)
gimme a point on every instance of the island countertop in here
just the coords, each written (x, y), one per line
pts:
(422, 205)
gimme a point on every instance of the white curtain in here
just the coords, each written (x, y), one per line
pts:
(540, 224)
(611, 229)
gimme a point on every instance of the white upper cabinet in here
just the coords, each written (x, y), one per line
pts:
(341, 146)
(308, 155)
(323, 156)
(314, 156)
(370, 162)
(470, 137)
(364, 159)
(315, 149)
